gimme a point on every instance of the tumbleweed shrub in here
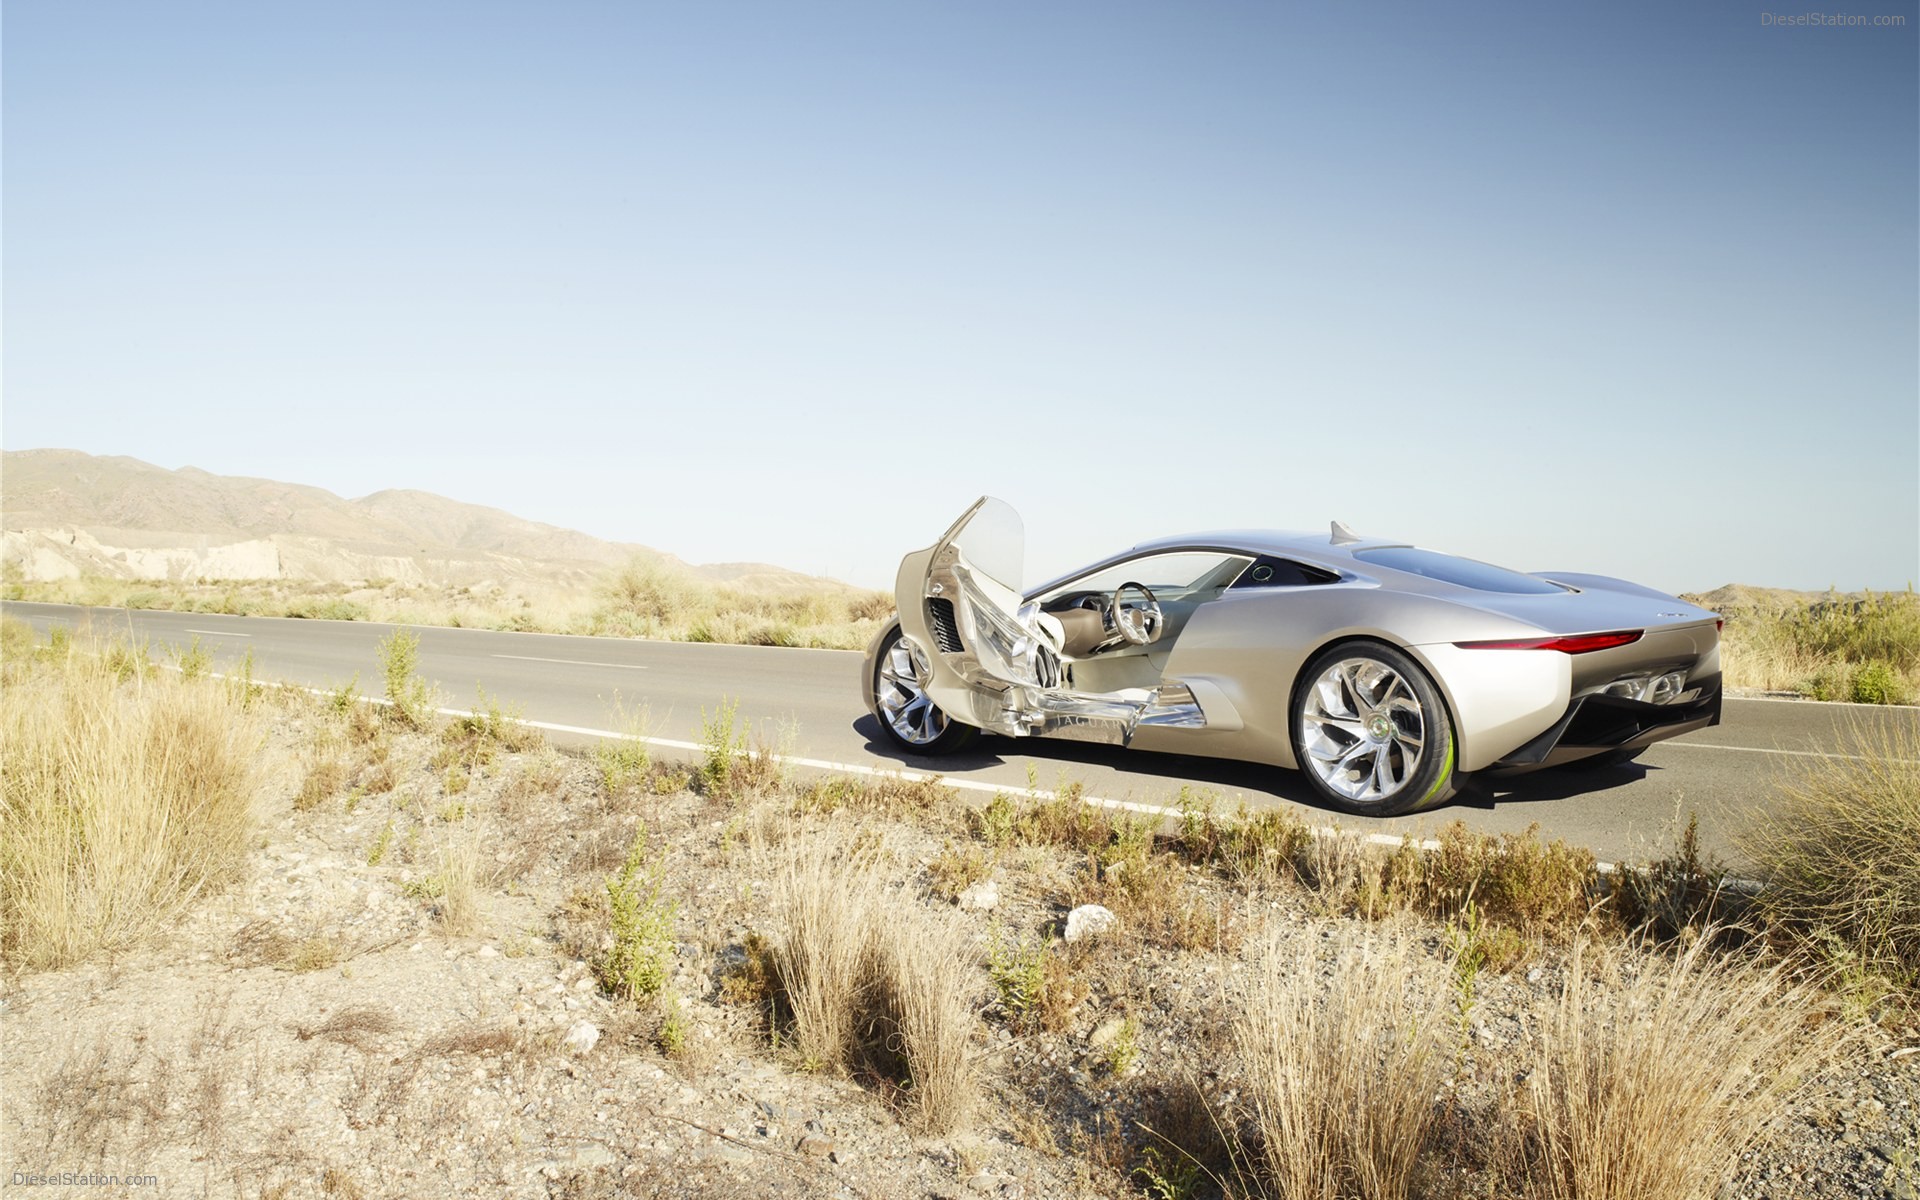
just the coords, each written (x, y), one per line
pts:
(826, 897)
(867, 980)
(924, 1005)
(1656, 1072)
(126, 797)
(1341, 1042)
(1838, 849)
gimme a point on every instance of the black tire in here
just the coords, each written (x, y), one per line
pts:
(897, 682)
(1371, 732)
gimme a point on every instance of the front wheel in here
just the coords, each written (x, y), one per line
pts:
(1371, 733)
(908, 716)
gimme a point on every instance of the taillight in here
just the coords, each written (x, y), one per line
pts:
(1584, 643)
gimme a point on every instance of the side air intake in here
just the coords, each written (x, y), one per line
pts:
(946, 629)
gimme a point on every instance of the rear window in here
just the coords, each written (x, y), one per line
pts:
(1462, 572)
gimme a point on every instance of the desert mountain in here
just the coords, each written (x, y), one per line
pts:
(64, 513)
(1739, 597)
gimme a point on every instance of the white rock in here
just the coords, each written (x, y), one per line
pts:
(582, 1037)
(981, 896)
(595, 1154)
(1106, 1031)
(1088, 920)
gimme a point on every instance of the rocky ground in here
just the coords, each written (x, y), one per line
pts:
(401, 999)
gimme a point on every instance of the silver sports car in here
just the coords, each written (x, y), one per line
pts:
(1386, 673)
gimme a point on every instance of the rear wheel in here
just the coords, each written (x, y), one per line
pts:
(1371, 733)
(908, 716)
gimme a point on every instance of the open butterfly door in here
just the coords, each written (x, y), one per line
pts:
(995, 659)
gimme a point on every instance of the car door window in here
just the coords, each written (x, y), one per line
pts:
(1172, 575)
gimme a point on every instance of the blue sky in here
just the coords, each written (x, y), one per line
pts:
(1623, 287)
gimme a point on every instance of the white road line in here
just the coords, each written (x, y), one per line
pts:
(1807, 700)
(572, 662)
(1391, 840)
(219, 633)
(1905, 762)
(960, 785)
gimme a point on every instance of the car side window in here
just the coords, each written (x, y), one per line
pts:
(1270, 571)
(1174, 574)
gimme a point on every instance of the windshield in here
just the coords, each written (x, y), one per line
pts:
(1172, 574)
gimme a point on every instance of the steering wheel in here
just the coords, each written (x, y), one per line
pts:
(1139, 621)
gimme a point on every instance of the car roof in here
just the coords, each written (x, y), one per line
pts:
(1314, 549)
(1319, 547)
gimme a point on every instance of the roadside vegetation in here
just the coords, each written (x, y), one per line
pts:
(1863, 648)
(643, 599)
(128, 794)
(1277, 1011)
(1839, 853)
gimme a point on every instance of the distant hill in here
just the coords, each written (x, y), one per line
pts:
(1734, 597)
(64, 514)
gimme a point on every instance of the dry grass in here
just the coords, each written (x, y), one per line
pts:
(104, 1098)
(926, 990)
(1158, 900)
(874, 982)
(325, 777)
(923, 800)
(1340, 1038)
(1536, 888)
(124, 801)
(496, 1040)
(354, 1025)
(826, 904)
(1655, 1074)
(461, 856)
(957, 868)
(1254, 849)
(646, 598)
(1865, 649)
(626, 761)
(263, 943)
(1839, 851)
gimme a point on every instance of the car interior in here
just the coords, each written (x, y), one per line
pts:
(1155, 594)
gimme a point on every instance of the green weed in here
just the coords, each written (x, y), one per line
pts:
(195, 661)
(642, 919)
(411, 698)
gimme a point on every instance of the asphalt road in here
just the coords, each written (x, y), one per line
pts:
(1625, 813)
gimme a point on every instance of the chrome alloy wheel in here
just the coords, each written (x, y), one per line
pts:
(901, 691)
(1363, 730)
